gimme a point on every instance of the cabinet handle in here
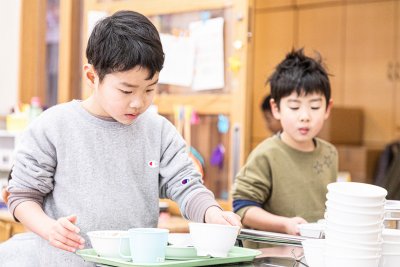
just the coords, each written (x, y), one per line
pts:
(390, 71)
(396, 71)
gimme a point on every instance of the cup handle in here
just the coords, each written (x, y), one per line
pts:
(119, 249)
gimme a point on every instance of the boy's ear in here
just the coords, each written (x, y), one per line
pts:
(328, 108)
(275, 109)
(90, 75)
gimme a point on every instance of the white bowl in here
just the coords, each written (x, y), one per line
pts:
(370, 236)
(349, 226)
(392, 235)
(390, 260)
(371, 245)
(333, 260)
(213, 239)
(315, 230)
(341, 215)
(314, 252)
(110, 243)
(392, 204)
(180, 239)
(358, 190)
(391, 247)
(355, 207)
(344, 249)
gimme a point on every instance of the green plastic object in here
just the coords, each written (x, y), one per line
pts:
(237, 254)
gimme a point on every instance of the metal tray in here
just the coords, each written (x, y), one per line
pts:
(237, 254)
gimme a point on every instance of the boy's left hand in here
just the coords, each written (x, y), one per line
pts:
(216, 215)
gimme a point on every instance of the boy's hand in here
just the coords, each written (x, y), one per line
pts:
(291, 225)
(218, 216)
(64, 234)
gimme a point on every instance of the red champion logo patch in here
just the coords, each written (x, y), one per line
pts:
(152, 164)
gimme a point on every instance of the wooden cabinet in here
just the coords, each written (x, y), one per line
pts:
(317, 2)
(321, 29)
(369, 62)
(273, 37)
(263, 4)
(396, 73)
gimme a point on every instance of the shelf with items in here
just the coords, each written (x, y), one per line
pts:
(205, 104)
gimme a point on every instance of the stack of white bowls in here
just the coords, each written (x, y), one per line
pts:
(354, 222)
(390, 248)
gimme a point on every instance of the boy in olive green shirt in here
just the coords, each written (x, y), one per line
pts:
(283, 182)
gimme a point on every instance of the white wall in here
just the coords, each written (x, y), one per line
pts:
(9, 53)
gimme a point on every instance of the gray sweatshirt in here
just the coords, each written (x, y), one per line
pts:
(109, 174)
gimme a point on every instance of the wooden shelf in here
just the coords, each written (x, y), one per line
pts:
(210, 104)
(158, 7)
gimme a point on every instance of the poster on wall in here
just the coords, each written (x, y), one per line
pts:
(208, 37)
(179, 60)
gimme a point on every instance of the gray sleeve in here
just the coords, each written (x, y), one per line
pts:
(34, 165)
(179, 179)
(197, 206)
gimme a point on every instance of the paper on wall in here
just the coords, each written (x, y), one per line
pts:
(92, 18)
(179, 60)
(208, 37)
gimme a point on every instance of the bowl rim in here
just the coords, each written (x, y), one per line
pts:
(352, 257)
(358, 205)
(329, 221)
(377, 193)
(391, 232)
(96, 233)
(352, 232)
(195, 224)
(330, 207)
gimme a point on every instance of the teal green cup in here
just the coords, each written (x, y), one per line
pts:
(147, 245)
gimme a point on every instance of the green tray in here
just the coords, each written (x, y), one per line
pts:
(236, 254)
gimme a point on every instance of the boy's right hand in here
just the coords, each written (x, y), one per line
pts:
(291, 225)
(63, 234)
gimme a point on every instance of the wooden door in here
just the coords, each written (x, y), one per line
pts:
(369, 51)
(273, 38)
(261, 4)
(321, 29)
(397, 72)
(318, 2)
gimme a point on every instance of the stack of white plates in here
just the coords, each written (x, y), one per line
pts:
(354, 222)
(390, 248)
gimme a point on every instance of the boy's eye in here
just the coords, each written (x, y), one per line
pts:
(149, 90)
(294, 108)
(315, 108)
(125, 92)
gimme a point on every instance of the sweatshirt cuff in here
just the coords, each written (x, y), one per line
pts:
(18, 197)
(198, 204)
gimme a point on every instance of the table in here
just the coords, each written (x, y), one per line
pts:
(8, 226)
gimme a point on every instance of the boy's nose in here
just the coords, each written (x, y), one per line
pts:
(136, 103)
(304, 116)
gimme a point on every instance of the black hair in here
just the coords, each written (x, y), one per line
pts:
(299, 73)
(265, 105)
(123, 41)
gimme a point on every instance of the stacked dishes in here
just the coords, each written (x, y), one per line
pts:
(354, 223)
(390, 248)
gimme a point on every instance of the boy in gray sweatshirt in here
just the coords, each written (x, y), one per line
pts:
(103, 163)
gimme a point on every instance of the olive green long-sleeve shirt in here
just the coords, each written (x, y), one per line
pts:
(285, 181)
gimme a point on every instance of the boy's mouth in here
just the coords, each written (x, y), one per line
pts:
(131, 116)
(304, 130)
